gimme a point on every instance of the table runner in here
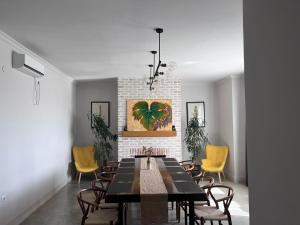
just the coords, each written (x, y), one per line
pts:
(154, 195)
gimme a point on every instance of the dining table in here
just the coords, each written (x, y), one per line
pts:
(126, 186)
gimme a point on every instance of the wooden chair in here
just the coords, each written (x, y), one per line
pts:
(92, 213)
(188, 166)
(214, 213)
(100, 188)
(111, 166)
(204, 182)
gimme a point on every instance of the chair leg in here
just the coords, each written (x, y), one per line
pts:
(229, 220)
(220, 177)
(223, 175)
(76, 177)
(79, 178)
(202, 221)
(95, 175)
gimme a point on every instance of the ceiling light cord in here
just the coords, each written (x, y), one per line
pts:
(155, 73)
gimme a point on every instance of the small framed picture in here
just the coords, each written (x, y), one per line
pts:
(101, 108)
(200, 108)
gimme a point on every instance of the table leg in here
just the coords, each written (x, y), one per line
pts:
(191, 213)
(120, 214)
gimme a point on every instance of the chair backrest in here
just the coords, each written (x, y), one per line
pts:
(216, 154)
(188, 166)
(221, 193)
(204, 181)
(100, 187)
(84, 156)
(86, 199)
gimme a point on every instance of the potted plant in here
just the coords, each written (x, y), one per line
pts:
(103, 137)
(195, 137)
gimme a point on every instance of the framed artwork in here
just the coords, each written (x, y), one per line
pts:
(103, 109)
(149, 115)
(190, 109)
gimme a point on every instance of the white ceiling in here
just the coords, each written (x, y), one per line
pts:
(94, 39)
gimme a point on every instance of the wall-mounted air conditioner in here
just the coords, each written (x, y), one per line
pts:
(27, 64)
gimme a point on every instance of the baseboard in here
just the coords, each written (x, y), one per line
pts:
(20, 218)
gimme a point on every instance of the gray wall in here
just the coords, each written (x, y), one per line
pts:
(231, 124)
(197, 91)
(35, 141)
(272, 81)
(225, 116)
(95, 90)
(224, 120)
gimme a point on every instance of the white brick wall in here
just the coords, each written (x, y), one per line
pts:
(137, 89)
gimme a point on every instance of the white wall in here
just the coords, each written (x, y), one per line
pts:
(95, 90)
(197, 91)
(230, 124)
(271, 31)
(35, 140)
(137, 89)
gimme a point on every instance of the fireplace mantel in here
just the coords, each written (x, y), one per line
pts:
(148, 133)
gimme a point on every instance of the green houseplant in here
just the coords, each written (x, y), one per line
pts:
(195, 137)
(103, 138)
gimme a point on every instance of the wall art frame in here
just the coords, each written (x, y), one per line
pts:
(101, 108)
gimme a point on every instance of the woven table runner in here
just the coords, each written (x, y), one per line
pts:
(154, 195)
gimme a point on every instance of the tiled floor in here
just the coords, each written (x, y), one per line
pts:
(63, 208)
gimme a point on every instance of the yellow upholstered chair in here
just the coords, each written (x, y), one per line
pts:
(215, 159)
(85, 162)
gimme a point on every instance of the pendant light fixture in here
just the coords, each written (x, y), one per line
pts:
(154, 71)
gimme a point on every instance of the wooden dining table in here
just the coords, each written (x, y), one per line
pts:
(125, 186)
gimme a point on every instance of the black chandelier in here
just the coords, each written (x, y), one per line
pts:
(154, 71)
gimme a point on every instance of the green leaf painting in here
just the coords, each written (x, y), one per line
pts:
(152, 115)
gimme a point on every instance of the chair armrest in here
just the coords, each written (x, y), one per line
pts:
(186, 161)
(225, 199)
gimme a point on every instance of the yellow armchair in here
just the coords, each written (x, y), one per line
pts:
(216, 157)
(85, 162)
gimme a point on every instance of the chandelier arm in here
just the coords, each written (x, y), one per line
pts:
(157, 68)
(153, 64)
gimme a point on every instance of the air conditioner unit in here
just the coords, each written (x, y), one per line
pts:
(27, 64)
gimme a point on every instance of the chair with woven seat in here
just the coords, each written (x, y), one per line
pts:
(188, 166)
(214, 213)
(85, 162)
(93, 214)
(216, 157)
(204, 182)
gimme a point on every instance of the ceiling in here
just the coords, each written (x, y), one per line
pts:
(92, 39)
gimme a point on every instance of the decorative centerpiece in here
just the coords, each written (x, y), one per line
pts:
(148, 152)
